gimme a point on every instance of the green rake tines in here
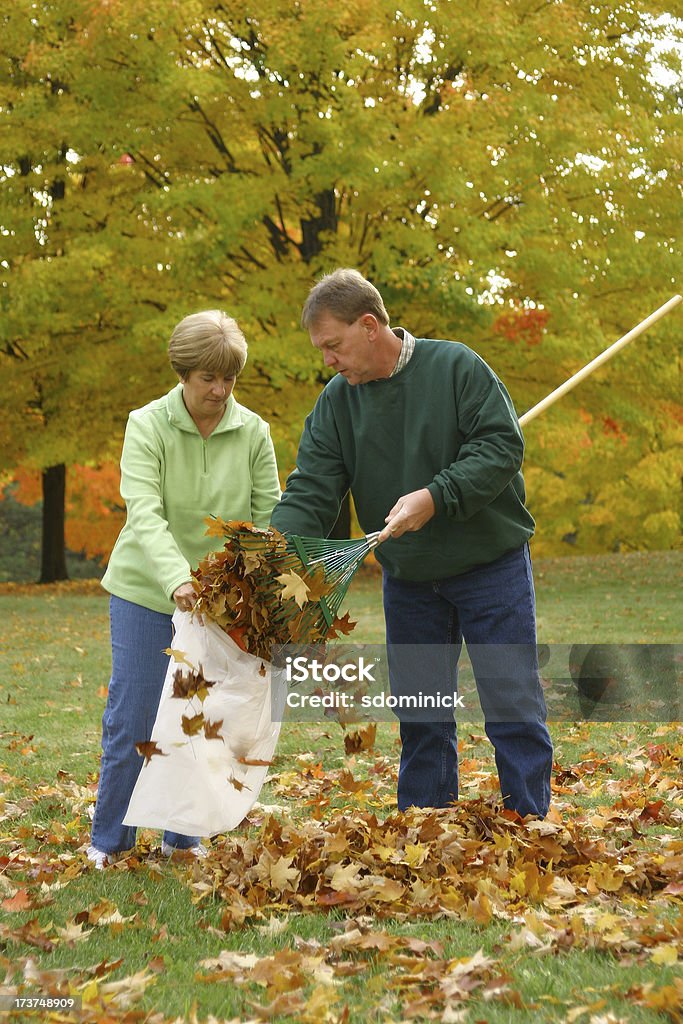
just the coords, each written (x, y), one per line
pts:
(339, 560)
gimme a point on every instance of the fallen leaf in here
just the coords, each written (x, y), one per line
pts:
(179, 656)
(212, 730)
(192, 725)
(148, 750)
(17, 903)
(239, 786)
(293, 586)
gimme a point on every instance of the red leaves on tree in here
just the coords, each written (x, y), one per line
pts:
(611, 428)
(522, 324)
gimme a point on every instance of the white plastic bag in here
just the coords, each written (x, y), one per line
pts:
(201, 786)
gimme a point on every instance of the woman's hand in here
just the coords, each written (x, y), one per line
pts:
(185, 597)
(410, 513)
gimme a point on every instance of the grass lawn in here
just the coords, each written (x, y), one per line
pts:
(328, 905)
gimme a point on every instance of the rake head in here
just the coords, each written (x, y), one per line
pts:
(339, 561)
(265, 589)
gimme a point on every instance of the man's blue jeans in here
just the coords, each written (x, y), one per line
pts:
(138, 639)
(490, 605)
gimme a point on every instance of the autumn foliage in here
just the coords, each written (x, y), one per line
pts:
(522, 324)
(260, 593)
(95, 512)
(509, 181)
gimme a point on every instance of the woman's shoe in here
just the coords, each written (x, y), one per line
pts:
(98, 857)
(199, 851)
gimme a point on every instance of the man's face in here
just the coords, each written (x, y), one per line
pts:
(347, 348)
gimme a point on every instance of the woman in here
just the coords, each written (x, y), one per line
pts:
(192, 453)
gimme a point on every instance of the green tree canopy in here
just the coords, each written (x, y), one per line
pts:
(509, 178)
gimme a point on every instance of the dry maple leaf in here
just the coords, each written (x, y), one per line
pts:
(283, 875)
(288, 1004)
(363, 739)
(148, 750)
(351, 785)
(252, 560)
(191, 684)
(212, 730)
(19, 902)
(317, 585)
(239, 786)
(293, 586)
(253, 761)
(192, 726)
(215, 526)
(34, 934)
(178, 656)
(343, 625)
(347, 878)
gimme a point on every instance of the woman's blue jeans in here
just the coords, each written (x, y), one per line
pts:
(493, 609)
(138, 639)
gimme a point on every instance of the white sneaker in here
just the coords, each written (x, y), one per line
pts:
(98, 857)
(199, 851)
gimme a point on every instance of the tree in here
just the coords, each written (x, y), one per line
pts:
(80, 332)
(504, 179)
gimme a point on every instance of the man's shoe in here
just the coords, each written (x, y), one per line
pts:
(199, 851)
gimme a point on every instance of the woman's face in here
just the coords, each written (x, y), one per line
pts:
(206, 394)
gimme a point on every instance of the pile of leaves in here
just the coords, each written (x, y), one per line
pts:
(260, 592)
(474, 861)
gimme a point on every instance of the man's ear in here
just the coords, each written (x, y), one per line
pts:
(371, 325)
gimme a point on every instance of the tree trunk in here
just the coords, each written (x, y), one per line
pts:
(342, 528)
(53, 552)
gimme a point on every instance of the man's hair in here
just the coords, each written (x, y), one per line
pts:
(346, 295)
(210, 341)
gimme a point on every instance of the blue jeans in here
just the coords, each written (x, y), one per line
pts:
(490, 605)
(138, 639)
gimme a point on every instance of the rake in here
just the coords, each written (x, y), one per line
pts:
(316, 561)
(339, 559)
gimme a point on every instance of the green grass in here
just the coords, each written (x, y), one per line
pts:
(600, 599)
(55, 665)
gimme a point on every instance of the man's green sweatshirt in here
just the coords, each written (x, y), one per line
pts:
(445, 422)
(171, 480)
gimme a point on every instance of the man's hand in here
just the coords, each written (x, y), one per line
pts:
(185, 597)
(410, 513)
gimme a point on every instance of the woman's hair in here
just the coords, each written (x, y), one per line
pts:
(346, 295)
(209, 340)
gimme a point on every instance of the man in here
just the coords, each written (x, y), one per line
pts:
(426, 438)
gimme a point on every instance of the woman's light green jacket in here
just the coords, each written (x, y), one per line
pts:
(171, 480)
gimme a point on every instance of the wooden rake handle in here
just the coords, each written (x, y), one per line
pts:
(580, 375)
